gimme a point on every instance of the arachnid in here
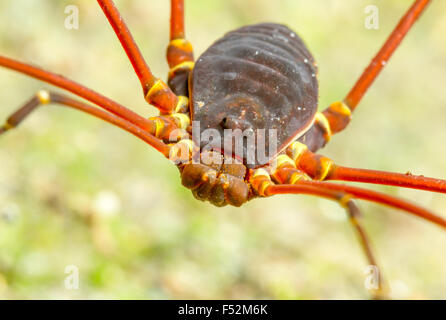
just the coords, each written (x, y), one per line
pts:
(258, 77)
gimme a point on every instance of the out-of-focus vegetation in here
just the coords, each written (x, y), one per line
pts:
(77, 191)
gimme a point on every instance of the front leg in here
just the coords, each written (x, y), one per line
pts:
(337, 116)
(156, 92)
(159, 127)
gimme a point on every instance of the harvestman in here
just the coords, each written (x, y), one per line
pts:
(203, 92)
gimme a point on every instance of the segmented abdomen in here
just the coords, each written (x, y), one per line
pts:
(262, 76)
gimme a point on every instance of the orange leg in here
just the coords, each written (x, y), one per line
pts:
(380, 60)
(287, 174)
(261, 182)
(44, 97)
(177, 19)
(77, 89)
(179, 50)
(387, 178)
(374, 196)
(322, 168)
(180, 56)
(338, 115)
(364, 240)
(155, 90)
(265, 187)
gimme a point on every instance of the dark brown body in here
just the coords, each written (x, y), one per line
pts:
(256, 77)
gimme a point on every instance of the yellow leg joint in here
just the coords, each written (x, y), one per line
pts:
(345, 200)
(186, 65)
(341, 108)
(260, 181)
(322, 121)
(159, 85)
(162, 97)
(296, 150)
(7, 126)
(298, 176)
(263, 186)
(182, 105)
(178, 51)
(326, 166)
(183, 120)
(43, 96)
(283, 160)
(181, 44)
(159, 126)
(261, 173)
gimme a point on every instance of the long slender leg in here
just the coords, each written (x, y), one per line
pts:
(386, 178)
(180, 55)
(378, 197)
(321, 188)
(77, 89)
(322, 168)
(177, 19)
(355, 215)
(338, 114)
(261, 182)
(380, 60)
(179, 49)
(156, 92)
(287, 174)
(366, 246)
(45, 97)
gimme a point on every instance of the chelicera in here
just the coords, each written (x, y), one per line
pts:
(258, 77)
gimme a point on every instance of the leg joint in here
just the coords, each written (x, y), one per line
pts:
(178, 51)
(338, 116)
(44, 96)
(162, 97)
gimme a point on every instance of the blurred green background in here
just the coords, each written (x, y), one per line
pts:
(77, 191)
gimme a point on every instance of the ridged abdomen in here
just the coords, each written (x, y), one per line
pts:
(259, 77)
